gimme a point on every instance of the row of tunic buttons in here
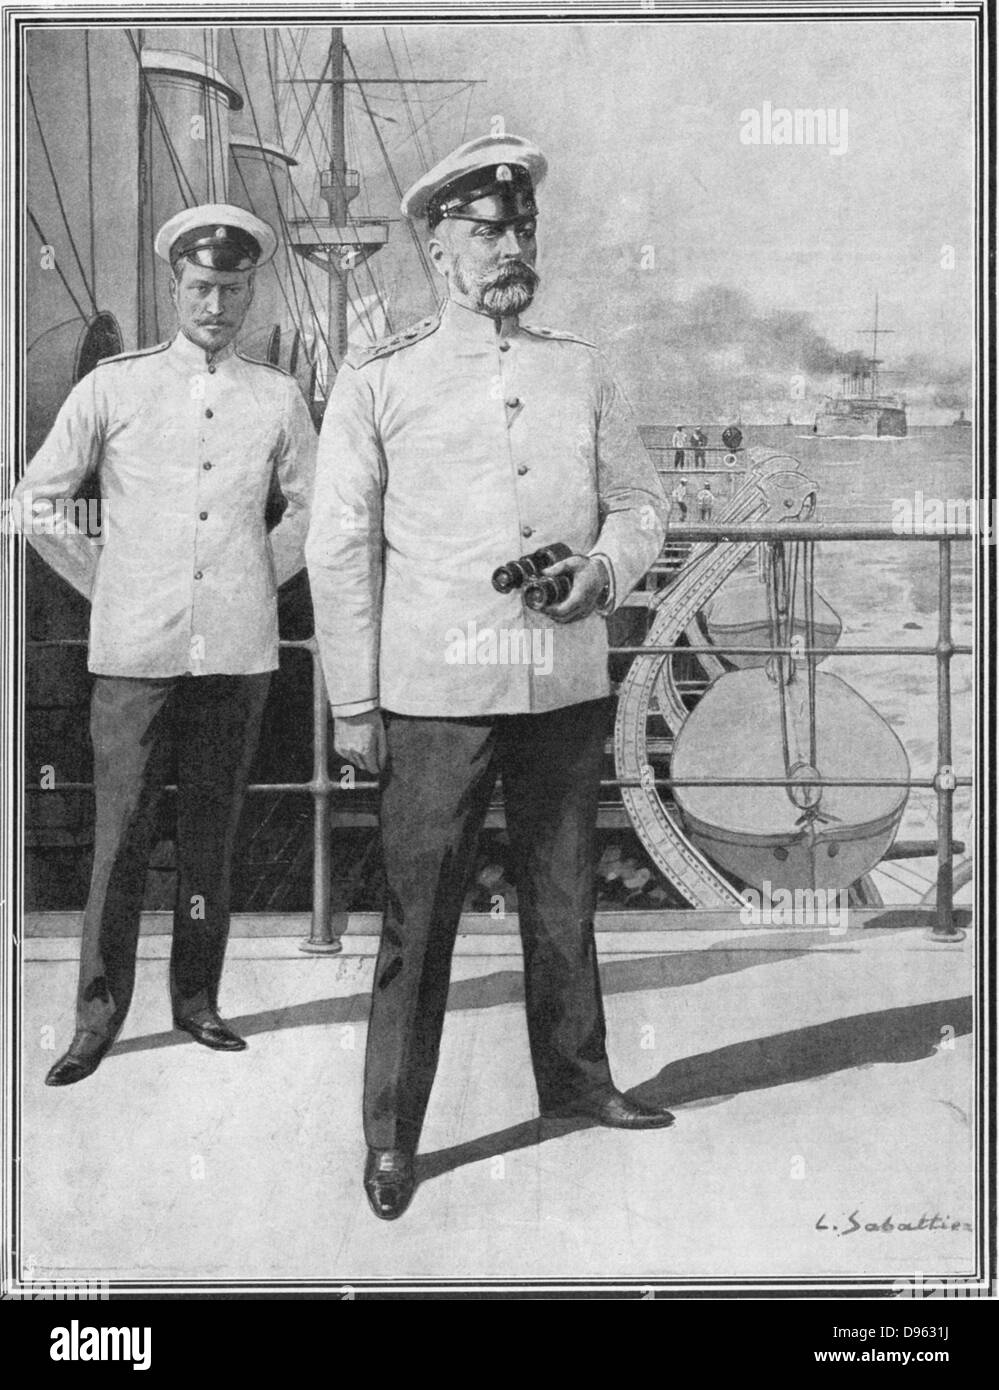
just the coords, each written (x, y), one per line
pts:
(512, 402)
(209, 415)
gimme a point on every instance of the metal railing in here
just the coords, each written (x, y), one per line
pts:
(323, 940)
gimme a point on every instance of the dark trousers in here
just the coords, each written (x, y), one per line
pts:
(436, 792)
(212, 723)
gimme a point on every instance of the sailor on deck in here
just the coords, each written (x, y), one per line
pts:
(446, 451)
(184, 438)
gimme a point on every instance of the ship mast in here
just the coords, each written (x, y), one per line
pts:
(334, 192)
(340, 243)
(874, 360)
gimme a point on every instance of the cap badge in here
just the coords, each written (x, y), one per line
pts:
(503, 174)
(220, 233)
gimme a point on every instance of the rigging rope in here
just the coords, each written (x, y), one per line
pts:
(368, 261)
(298, 314)
(53, 328)
(272, 74)
(305, 131)
(412, 70)
(342, 187)
(69, 289)
(409, 110)
(302, 134)
(90, 160)
(436, 111)
(62, 208)
(420, 250)
(274, 188)
(332, 264)
(187, 195)
(319, 165)
(378, 98)
(209, 119)
(294, 311)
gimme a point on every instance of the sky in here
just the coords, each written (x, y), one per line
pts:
(720, 276)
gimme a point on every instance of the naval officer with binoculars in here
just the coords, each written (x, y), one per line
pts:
(447, 451)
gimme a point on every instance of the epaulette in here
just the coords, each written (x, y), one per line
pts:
(557, 333)
(360, 357)
(138, 352)
(272, 366)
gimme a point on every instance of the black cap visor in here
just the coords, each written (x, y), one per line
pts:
(217, 248)
(507, 188)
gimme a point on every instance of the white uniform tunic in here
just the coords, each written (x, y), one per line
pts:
(444, 453)
(185, 577)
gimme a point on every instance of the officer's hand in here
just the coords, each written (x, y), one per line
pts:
(360, 739)
(589, 579)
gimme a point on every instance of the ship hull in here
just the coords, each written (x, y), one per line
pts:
(882, 422)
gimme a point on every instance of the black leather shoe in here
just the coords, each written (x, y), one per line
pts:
(210, 1031)
(389, 1181)
(84, 1056)
(613, 1109)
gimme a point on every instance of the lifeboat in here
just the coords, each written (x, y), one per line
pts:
(755, 724)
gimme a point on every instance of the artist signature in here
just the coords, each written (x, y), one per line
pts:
(927, 1222)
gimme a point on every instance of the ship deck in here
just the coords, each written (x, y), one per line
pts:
(822, 1083)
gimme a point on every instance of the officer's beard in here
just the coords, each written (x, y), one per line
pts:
(504, 292)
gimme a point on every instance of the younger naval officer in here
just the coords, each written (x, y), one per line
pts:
(450, 449)
(184, 438)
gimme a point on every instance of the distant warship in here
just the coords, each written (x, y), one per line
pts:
(861, 408)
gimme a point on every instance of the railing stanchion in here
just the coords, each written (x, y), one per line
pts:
(321, 939)
(944, 782)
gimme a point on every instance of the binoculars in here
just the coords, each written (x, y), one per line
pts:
(540, 590)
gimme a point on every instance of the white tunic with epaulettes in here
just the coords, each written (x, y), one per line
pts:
(446, 451)
(184, 577)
